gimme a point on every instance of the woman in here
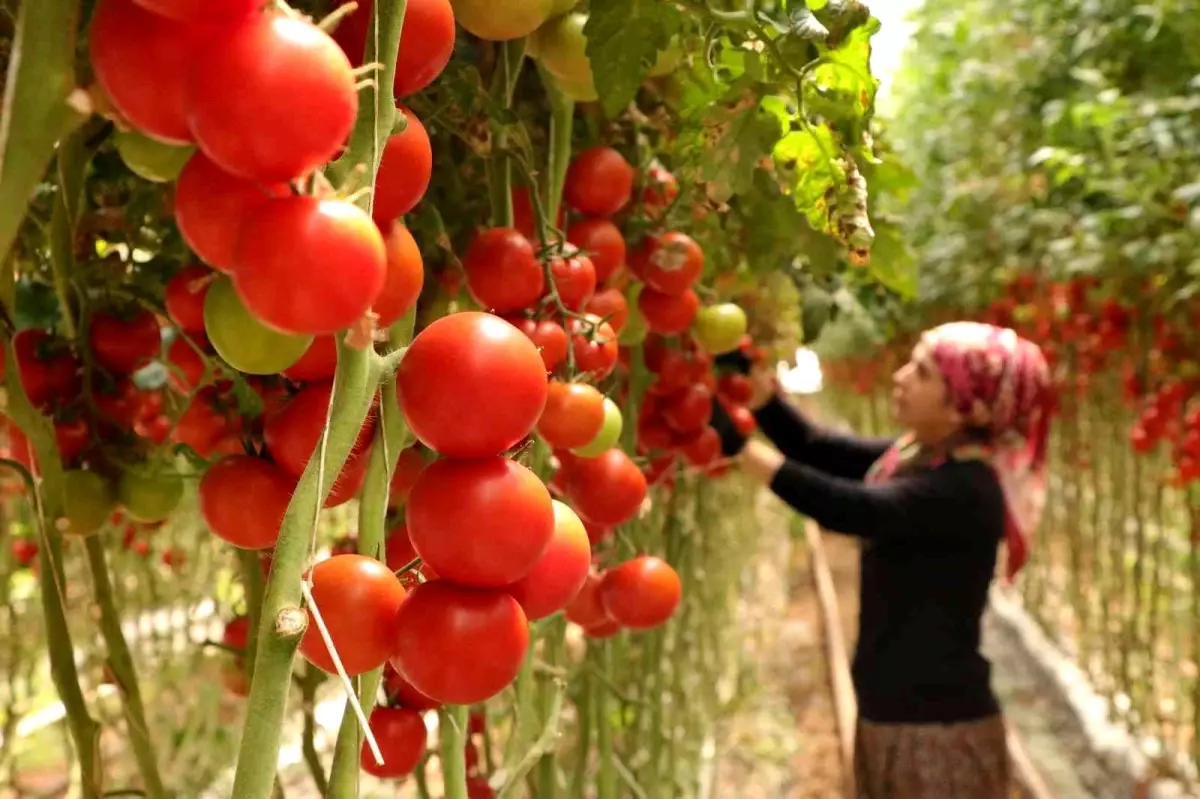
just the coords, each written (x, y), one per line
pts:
(931, 508)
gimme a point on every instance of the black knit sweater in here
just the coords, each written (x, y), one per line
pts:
(929, 545)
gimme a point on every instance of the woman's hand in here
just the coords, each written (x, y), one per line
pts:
(766, 385)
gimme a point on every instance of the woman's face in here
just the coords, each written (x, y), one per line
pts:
(919, 400)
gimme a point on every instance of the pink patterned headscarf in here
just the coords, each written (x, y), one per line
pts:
(999, 383)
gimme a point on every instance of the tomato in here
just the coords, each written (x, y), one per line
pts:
(503, 273)
(234, 678)
(399, 690)
(202, 10)
(596, 349)
(142, 61)
(736, 388)
(703, 449)
(401, 736)
(187, 366)
(272, 99)
(585, 609)
(124, 344)
(666, 314)
(524, 220)
(318, 362)
(405, 170)
(426, 41)
(642, 593)
(478, 787)
(608, 489)
(358, 598)
(242, 340)
(573, 416)
(153, 160)
(149, 496)
(49, 371)
(243, 499)
(562, 48)
(605, 629)
(597, 534)
(72, 439)
(499, 22)
(688, 409)
(293, 433)
(184, 297)
(609, 305)
(399, 552)
(599, 182)
(561, 570)
(409, 466)
(601, 241)
(118, 403)
(719, 328)
(442, 631)
(659, 190)
(609, 434)
(480, 522)
(237, 633)
(203, 423)
(471, 386)
(548, 336)
(672, 263)
(309, 266)
(88, 501)
(211, 205)
(574, 278)
(404, 279)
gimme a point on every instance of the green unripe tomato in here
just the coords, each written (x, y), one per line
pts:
(150, 159)
(719, 328)
(245, 343)
(149, 496)
(89, 500)
(609, 435)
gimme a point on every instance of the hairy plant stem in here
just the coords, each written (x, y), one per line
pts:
(452, 728)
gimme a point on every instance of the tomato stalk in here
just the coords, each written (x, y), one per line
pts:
(252, 583)
(372, 517)
(606, 776)
(504, 82)
(283, 620)
(41, 105)
(549, 705)
(452, 727)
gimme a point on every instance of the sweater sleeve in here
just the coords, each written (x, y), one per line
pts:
(799, 440)
(946, 503)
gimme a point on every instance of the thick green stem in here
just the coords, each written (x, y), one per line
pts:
(523, 722)
(40, 105)
(120, 661)
(283, 621)
(554, 654)
(253, 583)
(309, 683)
(452, 727)
(504, 82)
(372, 517)
(562, 122)
(606, 775)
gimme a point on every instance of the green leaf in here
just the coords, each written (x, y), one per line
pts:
(817, 5)
(750, 134)
(623, 39)
(808, 159)
(892, 263)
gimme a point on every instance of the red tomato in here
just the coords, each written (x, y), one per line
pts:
(585, 609)
(49, 370)
(405, 276)
(401, 736)
(561, 571)
(480, 522)
(599, 182)
(202, 10)
(409, 466)
(672, 263)
(124, 344)
(573, 415)
(399, 690)
(743, 419)
(243, 499)
(426, 41)
(187, 364)
(318, 362)
(72, 439)
(736, 388)
(142, 61)
(443, 630)
(471, 386)
(641, 594)
(609, 305)
(358, 598)
(210, 206)
(666, 314)
(549, 338)
(596, 533)
(294, 432)
(524, 219)
(574, 277)
(273, 67)
(309, 266)
(350, 481)
(203, 423)
(184, 297)
(607, 490)
(479, 788)
(237, 633)
(601, 241)
(404, 172)
(689, 409)
(659, 190)
(605, 629)
(502, 272)
(119, 403)
(703, 449)
(399, 552)
(596, 349)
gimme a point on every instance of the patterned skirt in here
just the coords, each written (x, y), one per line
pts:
(932, 761)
